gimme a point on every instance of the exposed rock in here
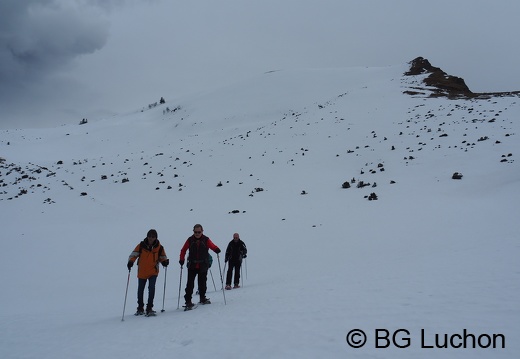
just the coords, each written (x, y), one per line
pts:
(457, 175)
(448, 85)
(443, 84)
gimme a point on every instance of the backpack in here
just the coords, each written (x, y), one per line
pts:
(161, 250)
(209, 259)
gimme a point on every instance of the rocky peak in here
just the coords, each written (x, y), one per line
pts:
(445, 84)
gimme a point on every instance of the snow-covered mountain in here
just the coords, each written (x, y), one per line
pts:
(341, 183)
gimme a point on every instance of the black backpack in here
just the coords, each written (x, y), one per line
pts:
(194, 249)
(161, 250)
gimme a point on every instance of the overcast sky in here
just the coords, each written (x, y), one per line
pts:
(65, 60)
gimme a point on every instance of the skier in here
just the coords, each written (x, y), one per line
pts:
(236, 250)
(150, 253)
(198, 263)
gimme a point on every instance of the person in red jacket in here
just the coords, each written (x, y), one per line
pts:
(198, 263)
(150, 253)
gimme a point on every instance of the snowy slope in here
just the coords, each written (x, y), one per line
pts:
(430, 253)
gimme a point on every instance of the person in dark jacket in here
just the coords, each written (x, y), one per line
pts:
(150, 253)
(236, 250)
(198, 263)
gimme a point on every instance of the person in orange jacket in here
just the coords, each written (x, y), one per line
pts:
(150, 253)
(198, 263)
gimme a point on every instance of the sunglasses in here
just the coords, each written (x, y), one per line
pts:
(197, 232)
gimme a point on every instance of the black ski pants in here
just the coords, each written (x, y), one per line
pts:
(236, 266)
(151, 291)
(202, 276)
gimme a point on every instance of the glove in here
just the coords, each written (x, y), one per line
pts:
(181, 262)
(217, 250)
(129, 265)
(165, 263)
(244, 256)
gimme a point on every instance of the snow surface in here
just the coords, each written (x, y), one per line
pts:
(431, 253)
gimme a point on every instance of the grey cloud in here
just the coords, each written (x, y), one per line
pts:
(41, 36)
(38, 40)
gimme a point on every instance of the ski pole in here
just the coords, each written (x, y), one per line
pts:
(164, 289)
(214, 286)
(246, 267)
(179, 297)
(224, 272)
(126, 293)
(241, 276)
(221, 280)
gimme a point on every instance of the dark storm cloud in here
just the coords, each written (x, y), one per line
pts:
(40, 36)
(38, 39)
